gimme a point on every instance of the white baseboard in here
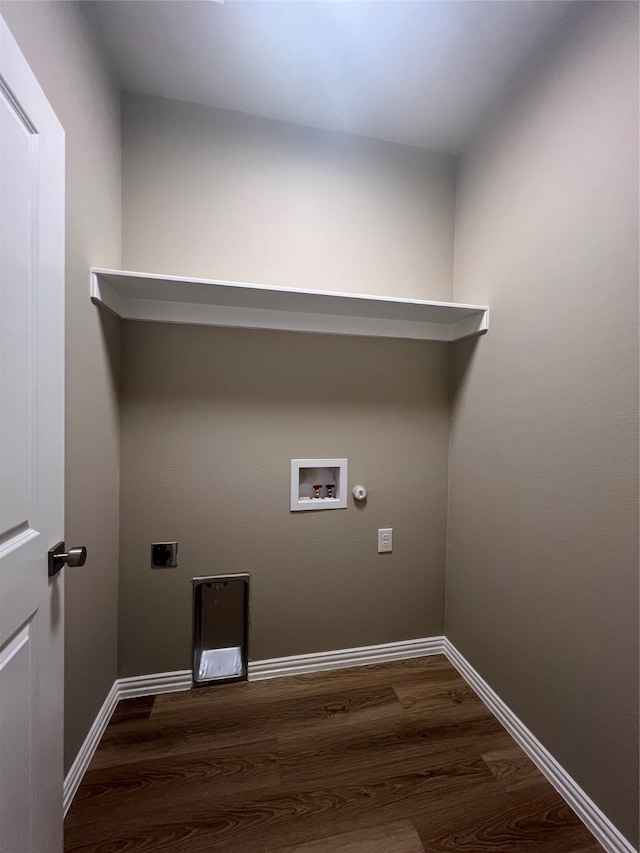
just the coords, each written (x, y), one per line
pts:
(166, 682)
(361, 656)
(149, 685)
(84, 756)
(592, 817)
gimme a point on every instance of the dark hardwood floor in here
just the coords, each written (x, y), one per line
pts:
(392, 758)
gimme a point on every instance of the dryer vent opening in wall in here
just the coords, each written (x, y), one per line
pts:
(220, 629)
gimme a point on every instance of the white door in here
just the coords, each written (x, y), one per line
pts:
(31, 459)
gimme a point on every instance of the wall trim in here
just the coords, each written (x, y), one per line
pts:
(167, 682)
(593, 818)
(158, 682)
(361, 656)
(85, 754)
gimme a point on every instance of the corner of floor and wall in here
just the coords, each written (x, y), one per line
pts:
(513, 494)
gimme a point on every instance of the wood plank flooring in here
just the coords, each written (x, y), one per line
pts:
(399, 757)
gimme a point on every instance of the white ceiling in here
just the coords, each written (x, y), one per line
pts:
(421, 73)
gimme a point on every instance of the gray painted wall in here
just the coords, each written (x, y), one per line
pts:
(210, 421)
(211, 417)
(62, 54)
(542, 571)
(211, 193)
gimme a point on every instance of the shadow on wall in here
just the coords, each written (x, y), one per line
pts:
(110, 333)
(463, 355)
(280, 367)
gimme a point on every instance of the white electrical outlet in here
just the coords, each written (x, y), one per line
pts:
(385, 540)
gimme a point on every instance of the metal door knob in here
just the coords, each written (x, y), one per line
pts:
(58, 557)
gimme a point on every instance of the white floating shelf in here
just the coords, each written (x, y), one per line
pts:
(171, 299)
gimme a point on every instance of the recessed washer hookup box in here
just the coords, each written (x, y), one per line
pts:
(318, 484)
